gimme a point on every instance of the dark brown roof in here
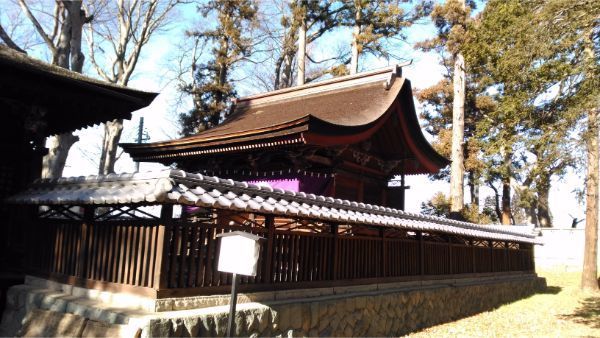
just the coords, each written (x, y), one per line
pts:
(71, 100)
(339, 111)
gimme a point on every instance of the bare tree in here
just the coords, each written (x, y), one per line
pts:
(64, 43)
(301, 52)
(116, 38)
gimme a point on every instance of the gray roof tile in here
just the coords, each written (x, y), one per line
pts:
(177, 186)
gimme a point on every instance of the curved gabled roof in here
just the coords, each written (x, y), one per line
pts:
(339, 111)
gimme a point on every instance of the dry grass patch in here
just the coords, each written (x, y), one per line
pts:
(562, 311)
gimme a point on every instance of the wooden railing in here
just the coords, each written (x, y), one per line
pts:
(113, 252)
(164, 257)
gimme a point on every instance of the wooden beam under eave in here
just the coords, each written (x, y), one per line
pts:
(320, 160)
(357, 168)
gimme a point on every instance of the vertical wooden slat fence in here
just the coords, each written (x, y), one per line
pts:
(174, 257)
(112, 252)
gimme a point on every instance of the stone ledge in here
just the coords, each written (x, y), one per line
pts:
(363, 313)
(116, 300)
(378, 309)
(111, 299)
(42, 323)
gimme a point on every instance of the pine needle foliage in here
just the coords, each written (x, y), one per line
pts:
(212, 89)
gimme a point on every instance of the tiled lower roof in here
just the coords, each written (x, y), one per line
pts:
(176, 186)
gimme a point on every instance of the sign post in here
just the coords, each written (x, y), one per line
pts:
(238, 255)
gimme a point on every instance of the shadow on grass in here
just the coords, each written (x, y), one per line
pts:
(588, 313)
(550, 290)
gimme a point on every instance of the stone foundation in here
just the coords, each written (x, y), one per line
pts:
(372, 310)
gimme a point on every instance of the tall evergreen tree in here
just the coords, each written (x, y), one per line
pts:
(374, 21)
(451, 20)
(437, 113)
(306, 22)
(212, 89)
(522, 64)
(542, 59)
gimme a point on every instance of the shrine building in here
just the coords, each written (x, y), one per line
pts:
(346, 138)
(137, 254)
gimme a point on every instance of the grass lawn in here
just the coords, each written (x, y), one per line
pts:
(562, 311)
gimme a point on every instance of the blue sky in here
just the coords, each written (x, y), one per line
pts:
(155, 73)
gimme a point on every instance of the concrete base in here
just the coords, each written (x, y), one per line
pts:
(369, 310)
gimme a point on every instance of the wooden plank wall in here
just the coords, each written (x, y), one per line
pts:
(112, 251)
(164, 254)
(299, 257)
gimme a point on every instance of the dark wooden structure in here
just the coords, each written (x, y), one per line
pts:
(345, 137)
(38, 100)
(122, 234)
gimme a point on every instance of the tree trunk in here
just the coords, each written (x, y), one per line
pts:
(112, 134)
(278, 75)
(496, 201)
(543, 211)
(63, 47)
(58, 150)
(474, 189)
(77, 18)
(532, 212)
(301, 51)
(589, 277)
(286, 75)
(457, 169)
(506, 212)
(68, 51)
(355, 37)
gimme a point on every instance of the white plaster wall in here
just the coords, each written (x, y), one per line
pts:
(562, 250)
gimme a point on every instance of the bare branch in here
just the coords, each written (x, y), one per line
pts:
(92, 56)
(144, 35)
(38, 27)
(324, 60)
(9, 42)
(56, 21)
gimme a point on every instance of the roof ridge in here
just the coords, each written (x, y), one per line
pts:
(336, 202)
(385, 74)
(178, 186)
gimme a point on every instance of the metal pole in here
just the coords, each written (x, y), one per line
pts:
(139, 140)
(232, 302)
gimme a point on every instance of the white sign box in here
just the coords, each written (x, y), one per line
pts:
(239, 253)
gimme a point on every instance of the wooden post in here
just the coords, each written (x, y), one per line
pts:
(334, 256)
(268, 272)
(491, 244)
(162, 246)
(531, 257)
(384, 257)
(88, 218)
(402, 190)
(471, 242)
(450, 262)
(507, 256)
(421, 253)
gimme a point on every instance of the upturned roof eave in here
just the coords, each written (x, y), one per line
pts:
(177, 148)
(310, 120)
